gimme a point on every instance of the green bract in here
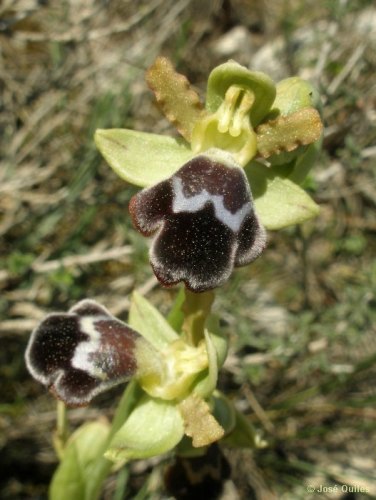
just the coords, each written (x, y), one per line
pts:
(83, 453)
(247, 115)
(153, 428)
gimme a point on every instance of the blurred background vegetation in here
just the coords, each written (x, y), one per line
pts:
(302, 318)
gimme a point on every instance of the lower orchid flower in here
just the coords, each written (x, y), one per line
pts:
(86, 351)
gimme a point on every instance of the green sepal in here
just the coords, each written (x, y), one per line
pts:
(279, 202)
(141, 158)
(150, 323)
(84, 449)
(154, 427)
(232, 73)
(294, 94)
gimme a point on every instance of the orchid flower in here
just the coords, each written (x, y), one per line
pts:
(208, 196)
(79, 354)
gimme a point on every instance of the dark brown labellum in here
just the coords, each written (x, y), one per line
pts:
(81, 353)
(204, 224)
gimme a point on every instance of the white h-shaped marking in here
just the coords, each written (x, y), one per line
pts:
(85, 348)
(196, 202)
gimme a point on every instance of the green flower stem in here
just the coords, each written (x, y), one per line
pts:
(196, 309)
(61, 434)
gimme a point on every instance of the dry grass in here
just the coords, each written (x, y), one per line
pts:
(303, 360)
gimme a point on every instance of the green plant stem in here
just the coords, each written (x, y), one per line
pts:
(103, 466)
(196, 309)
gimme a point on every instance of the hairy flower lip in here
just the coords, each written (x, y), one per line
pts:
(171, 284)
(79, 354)
(203, 222)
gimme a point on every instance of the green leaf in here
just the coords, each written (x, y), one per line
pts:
(150, 323)
(232, 73)
(154, 427)
(140, 158)
(279, 202)
(18, 262)
(73, 475)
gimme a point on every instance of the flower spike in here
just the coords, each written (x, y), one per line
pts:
(203, 220)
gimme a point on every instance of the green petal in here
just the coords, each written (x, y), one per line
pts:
(232, 73)
(154, 427)
(140, 158)
(279, 202)
(175, 96)
(149, 322)
(295, 94)
(74, 474)
(288, 133)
